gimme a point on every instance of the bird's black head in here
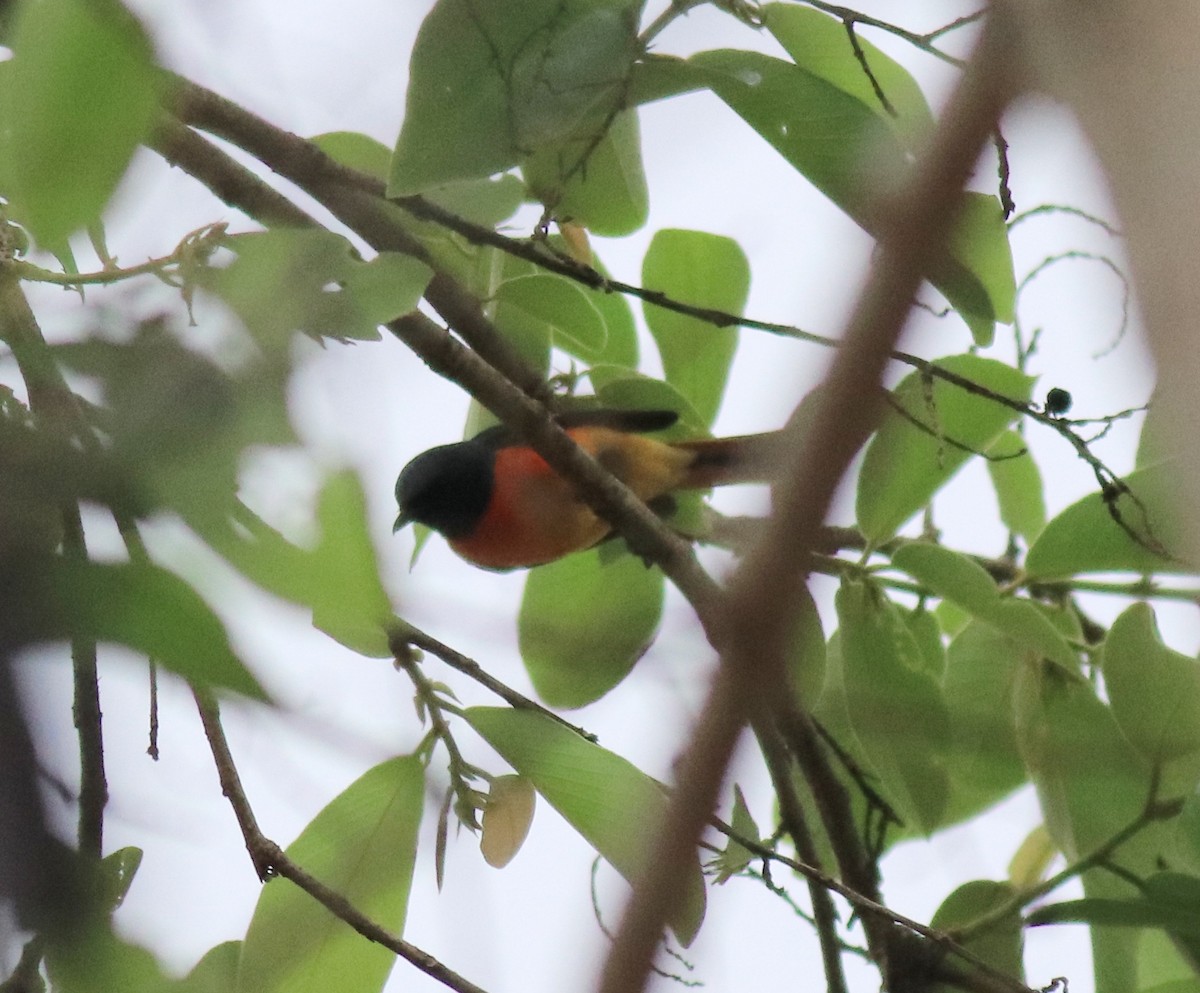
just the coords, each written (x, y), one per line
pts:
(447, 488)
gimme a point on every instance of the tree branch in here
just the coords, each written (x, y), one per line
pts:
(756, 637)
(270, 860)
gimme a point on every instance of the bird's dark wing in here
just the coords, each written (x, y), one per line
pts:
(634, 421)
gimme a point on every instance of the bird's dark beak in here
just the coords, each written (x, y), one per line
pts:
(402, 520)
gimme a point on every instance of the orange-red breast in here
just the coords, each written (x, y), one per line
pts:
(501, 506)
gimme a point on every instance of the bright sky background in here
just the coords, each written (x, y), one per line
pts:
(313, 67)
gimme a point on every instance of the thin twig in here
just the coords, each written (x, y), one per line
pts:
(270, 860)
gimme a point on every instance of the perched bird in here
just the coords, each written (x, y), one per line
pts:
(501, 506)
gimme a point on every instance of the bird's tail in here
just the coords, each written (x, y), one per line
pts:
(748, 458)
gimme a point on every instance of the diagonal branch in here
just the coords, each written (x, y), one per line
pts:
(757, 609)
(270, 860)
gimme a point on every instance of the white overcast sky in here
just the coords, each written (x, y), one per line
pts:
(313, 67)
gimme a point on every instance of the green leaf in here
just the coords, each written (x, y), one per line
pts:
(584, 622)
(356, 150)
(348, 600)
(1090, 782)
(983, 761)
(617, 386)
(490, 84)
(80, 98)
(547, 308)
(1018, 485)
(484, 201)
(957, 578)
(894, 705)
(599, 794)
(807, 658)
(1154, 691)
(906, 465)
(1171, 901)
(290, 280)
(1146, 534)
(820, 45)
(703, 270)
(1001, 945)
(736, 856)
(117, 870)
(923, 626)
(363, 845)
(598, 185)
(145, 607)
(216, 972)
(850, 150)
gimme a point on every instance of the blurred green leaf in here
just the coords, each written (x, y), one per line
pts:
(983, 761)
(550, 308)
(356, 150)
(1171, 901)
(348, 600)
(1001, 946)
(808, 661)
(363, 844)
(584, 622)
(819, 44)
(905, 465)
(629, 389)
(311, 280)
(117, 870)
(80, 97)
(488, 85)
(1139, 531)
(600, 185)
(216, 972)
(599, 794)
(1090, 781)
(1018, 485)
(142, 606)
(1154, 691)
(703, 270)
(956, 577)
(895, 706)
(736, 856)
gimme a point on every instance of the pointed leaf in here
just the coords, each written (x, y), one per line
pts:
(599, 793)
(983, 761)
(363, 845)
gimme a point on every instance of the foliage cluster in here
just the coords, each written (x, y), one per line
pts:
(948, 681)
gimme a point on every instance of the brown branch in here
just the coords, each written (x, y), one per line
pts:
(794, 820)
(756, 638)
(409, 635)
(270, 860)
(55, 404)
